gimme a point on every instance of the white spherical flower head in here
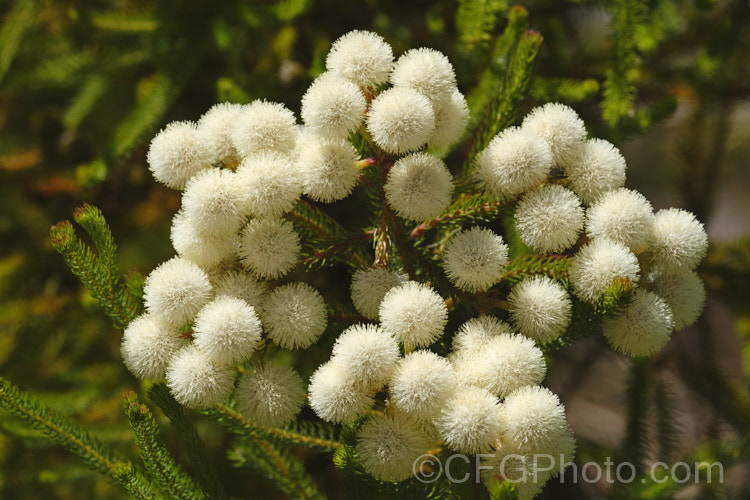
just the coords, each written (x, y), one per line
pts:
(271, 395)
(622, 215)
(427, 71)
(684, 293)
(333, 106)
(541, 308)
(475, 259)
(369, 286)
(643, 328)
(176, 291)
(470, 420)
(549, 219)
(421, 384)
(197, 381)
(474, 334)
(533, 420)
(333, 397)
(177, 153)
(505, 363)
(388, 446)
(216, 127)
(597, 264)
(269, 248)
(401, 120)
(264, 126)
(595, 168)
(368, 353)
(451, 117)
(227, 329)
(513, 162)
(362, 57)
(413, 313)
(270, 183)
(239, 284)
(148, 344)
(678, 240)
(192, 242)
(327, 168)
(216, 201)
(419, 187)
(560, 126)
(294, 315)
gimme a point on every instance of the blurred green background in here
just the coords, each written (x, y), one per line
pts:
(84, 85)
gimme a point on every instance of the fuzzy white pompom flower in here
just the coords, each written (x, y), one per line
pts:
(333, 396)
(368, 353)
(294, 315)
(216, 127)
(362, 57)
(475, 259)
(470, 420)
(595, 168)
(271, 395)
(422, 382)
(176, 291)
(414, 313)
(684, 293)
(622, 215)
(560, 126)
(513, 162)
(192, 242)
(148, 344)
(327, 168)
(451, 116)
(549, 219)
(597, 264)
(196, 380)
(505, 363)
(643, 328)
(388, 446)
(227, 329)
(427, 71)
(333, 106)
(270, 183)
(269, 247)
(533, 420)
(540, 308)
(216, 201)
(401, 120)
(472, 336)
(369, 286)
(177, 153)
(419, 187)
(236, 283)
(678, 240)
(264, 126)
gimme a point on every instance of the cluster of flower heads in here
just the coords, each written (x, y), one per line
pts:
(242, 167)
(569, 195)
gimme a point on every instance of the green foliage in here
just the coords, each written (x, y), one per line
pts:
(205, 471)
(99, 273)
(69, 435)
(17, 21)
(476, 19)
(504, 83)
(315, 437)
(159, 462)
(622, 73)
